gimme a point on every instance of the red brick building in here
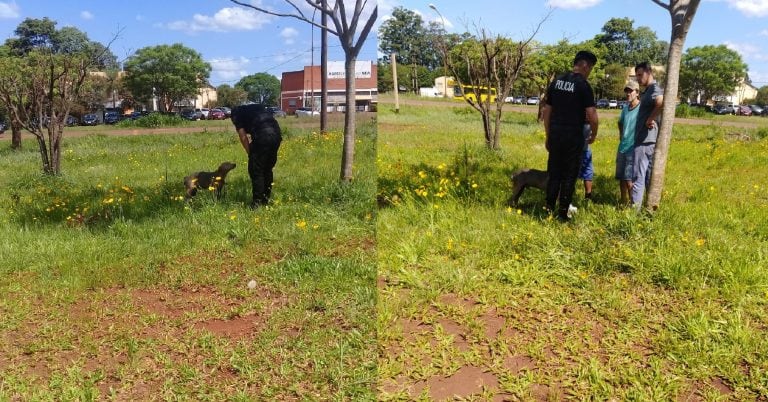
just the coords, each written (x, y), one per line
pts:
(302, 88)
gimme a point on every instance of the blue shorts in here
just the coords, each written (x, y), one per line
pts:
(625, 165)
(587, 172)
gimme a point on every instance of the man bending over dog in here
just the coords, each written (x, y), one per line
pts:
(570, 101)
(258, 122)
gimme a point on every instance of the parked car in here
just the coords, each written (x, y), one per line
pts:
(226, 110)
(622, 103)
(305, 111)
(277, 112)
(723, 108)
(533, 100)
(204, 112)
(519, 100)
(90, 119)
(757, 110)
(111, 118)
(602, 103)
(744, 110)
(190, 114)
(217, 114)
(71, 121)
(509, 99)
(613, 104)
(2, 126)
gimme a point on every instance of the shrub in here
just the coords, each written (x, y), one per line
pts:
(684, 111)
(154, 120)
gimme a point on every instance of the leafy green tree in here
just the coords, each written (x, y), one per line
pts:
(229, 96)
(172, 72)
(627, 46)
(260, 88)
(43, 74)
(762, 96)
(710, 71)
(42, 34)
(404, 35)
(31, 34)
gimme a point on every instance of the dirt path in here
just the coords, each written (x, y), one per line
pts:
(389, 102)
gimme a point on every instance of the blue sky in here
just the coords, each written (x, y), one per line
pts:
(742, 25)
(236, 41)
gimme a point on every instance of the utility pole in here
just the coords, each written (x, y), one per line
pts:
(323, 69)
(394, 78)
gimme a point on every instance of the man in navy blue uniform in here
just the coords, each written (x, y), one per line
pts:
(258, 122)
(570, 102)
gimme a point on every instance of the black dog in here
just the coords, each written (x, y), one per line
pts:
(206, 180)
(527, 178)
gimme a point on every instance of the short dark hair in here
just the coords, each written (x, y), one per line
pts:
(644, 65)
(585, 55)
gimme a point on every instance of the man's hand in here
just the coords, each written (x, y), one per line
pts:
(650, 123)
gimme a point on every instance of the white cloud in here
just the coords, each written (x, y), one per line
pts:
(225, 20)
(289, 35)
(751, 8)
(9, 10)
(229, 69)
(573, 4)
(86, 15)
(139, 17)
(747, 51)
(764, 32)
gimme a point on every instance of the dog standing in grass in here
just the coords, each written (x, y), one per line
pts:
(208, 180)
(525, 178)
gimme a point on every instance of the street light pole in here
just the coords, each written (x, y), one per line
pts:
(445, 61)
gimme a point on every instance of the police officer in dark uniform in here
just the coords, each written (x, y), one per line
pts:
(258, 122)
(570, 101)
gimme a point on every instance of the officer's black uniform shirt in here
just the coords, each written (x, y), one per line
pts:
(569, 95)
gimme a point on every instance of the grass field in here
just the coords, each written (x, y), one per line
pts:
(111, 286)
(482, 301)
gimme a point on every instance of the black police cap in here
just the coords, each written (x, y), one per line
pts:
(585, 55)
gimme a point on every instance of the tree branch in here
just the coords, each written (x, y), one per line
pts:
(661, 4)
(299, 16)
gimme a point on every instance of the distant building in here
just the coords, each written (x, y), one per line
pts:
(441, 83)
(302, 88)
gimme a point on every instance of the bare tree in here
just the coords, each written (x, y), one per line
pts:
(681, 13)
(488, 63)
(345, 26)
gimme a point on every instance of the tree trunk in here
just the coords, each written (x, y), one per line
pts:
(43, 148)
(682, 13)
(55, 141)
(348, 154)
(15, 135)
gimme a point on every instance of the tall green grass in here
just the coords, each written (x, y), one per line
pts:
(115, 223)
(688, 285)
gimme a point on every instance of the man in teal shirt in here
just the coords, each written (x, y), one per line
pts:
(625, 154)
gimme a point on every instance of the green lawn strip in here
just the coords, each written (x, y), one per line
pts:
(613, 305)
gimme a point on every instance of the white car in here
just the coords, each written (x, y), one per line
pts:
(613, 104)
(305, 111)
(509, 99)
(533, 100)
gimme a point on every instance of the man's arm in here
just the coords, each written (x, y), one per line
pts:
(593, 123)
(546, 111)
(244, 139)
(658, 104)
(621, 124)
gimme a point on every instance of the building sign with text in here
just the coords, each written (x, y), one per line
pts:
(336, 70)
